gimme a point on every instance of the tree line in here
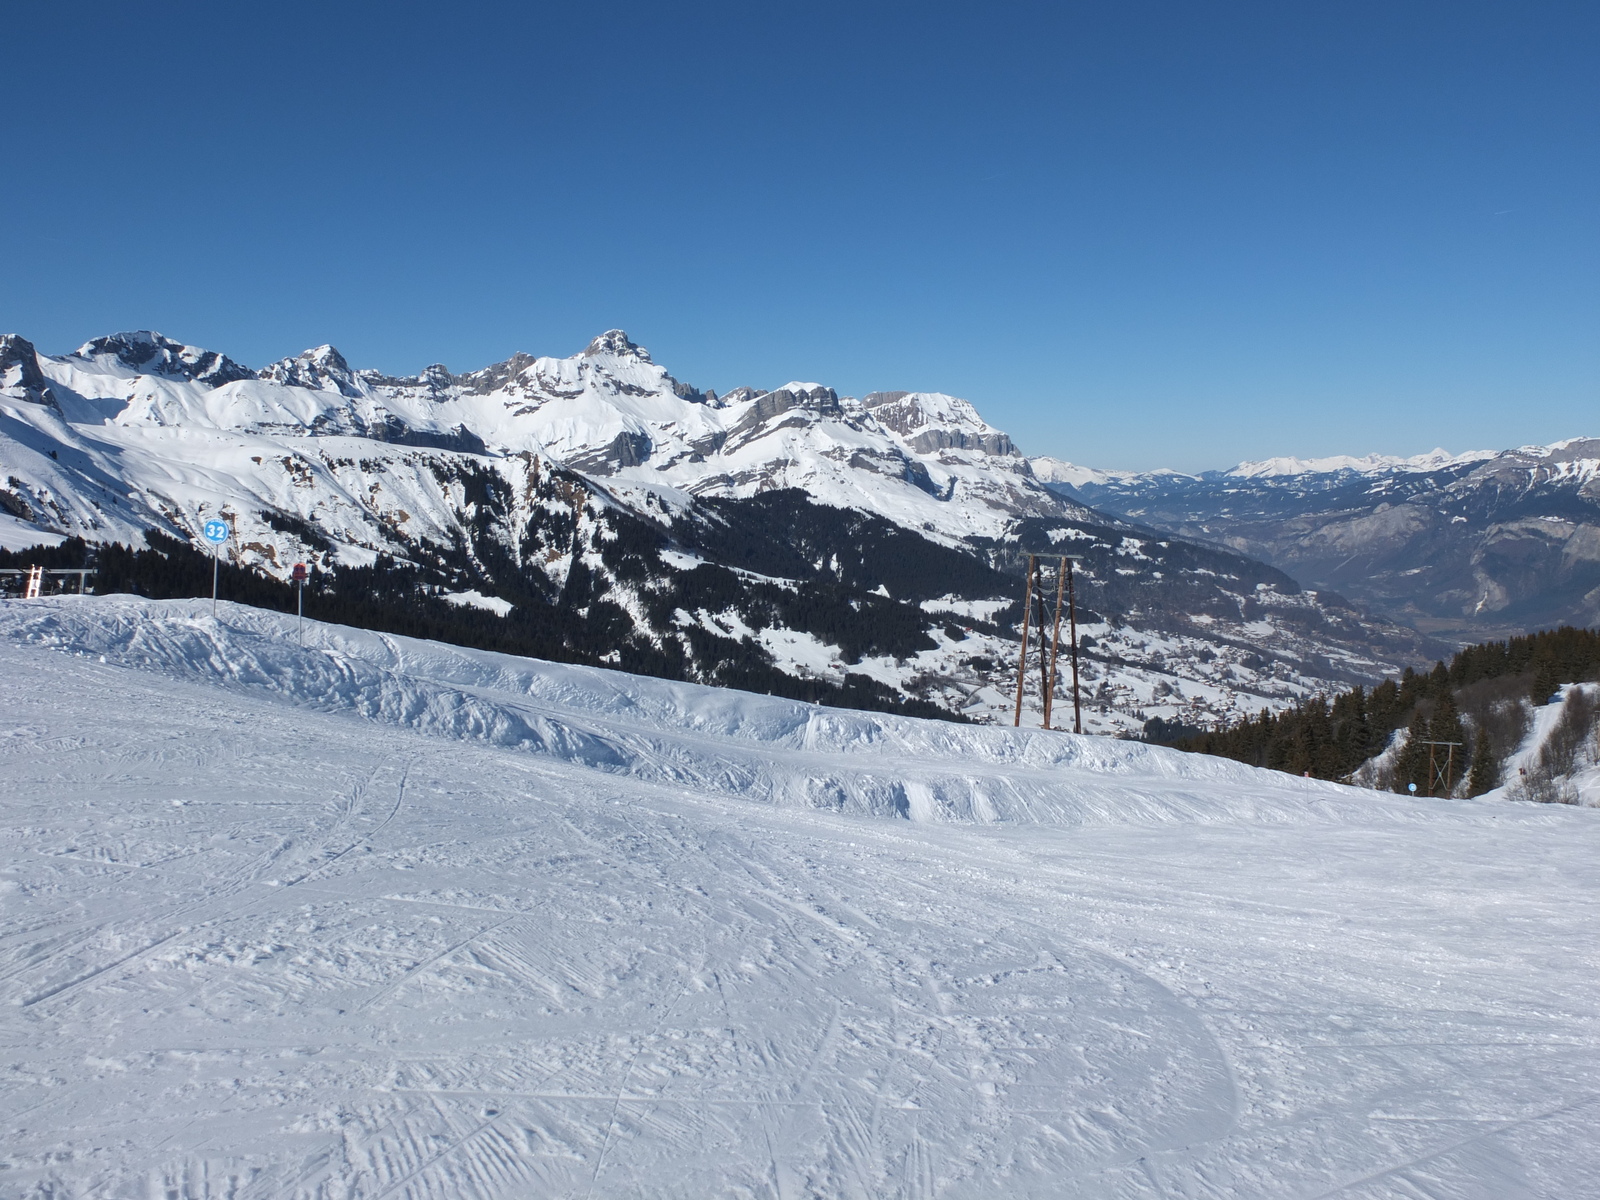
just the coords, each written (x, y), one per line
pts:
(1332, 738)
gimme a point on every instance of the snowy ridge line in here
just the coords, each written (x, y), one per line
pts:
(150, 429)
(1055, 470)
(1366, 464)
(712, 740)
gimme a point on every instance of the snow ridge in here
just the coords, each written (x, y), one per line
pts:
(709, 740)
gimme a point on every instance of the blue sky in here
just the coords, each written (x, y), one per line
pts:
(1134, 234)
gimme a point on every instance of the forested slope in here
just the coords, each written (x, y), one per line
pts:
(1482, 700)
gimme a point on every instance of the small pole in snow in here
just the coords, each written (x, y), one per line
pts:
(299, 577)
(1022, 659)
(1055, 644)
(1072, 616)
(1044, 650)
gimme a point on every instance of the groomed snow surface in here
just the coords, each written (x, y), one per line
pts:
(383, 918)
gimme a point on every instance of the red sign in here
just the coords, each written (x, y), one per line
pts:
(300, 574)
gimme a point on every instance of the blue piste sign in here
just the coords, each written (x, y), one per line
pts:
(216, 532)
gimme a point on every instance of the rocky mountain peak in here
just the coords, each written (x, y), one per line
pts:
(20, 377)
(436, 376)
(811, 395)
(322, 369)
(806, 397)
(497, 375)
(931, 421)
(152, 353)
(614, 343)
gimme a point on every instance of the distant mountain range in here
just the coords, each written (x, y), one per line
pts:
(1466, 546)
(787, 539)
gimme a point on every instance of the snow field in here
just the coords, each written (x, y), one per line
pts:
(385, 918)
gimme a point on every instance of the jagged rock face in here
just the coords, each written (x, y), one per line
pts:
(934, 422)
(487, 381)
(323, 369)
(786, 539)
(20, 377)
(1469, 547)
(798, 407)
(773, 404)
(614, 343)
(150, 353)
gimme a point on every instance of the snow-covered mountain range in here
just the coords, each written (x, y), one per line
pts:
(185, 415)
(762, 536)
(1468, 546)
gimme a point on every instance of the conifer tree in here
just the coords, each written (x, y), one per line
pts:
(1546, 679)
(1411, 766)
(1485, 773)
(1383, 710)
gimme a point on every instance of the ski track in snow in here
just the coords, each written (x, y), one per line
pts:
(380, 918)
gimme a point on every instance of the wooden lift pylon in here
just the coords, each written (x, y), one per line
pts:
(1049, 655)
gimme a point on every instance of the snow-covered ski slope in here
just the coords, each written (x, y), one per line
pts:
(383, 918)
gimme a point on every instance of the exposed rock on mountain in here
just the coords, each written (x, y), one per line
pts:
(322, 369)
(20, 376)
(152, 354)
(930, 422)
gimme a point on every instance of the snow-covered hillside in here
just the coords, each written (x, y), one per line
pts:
(384, 918)
(1559, 759)
(793, 540)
